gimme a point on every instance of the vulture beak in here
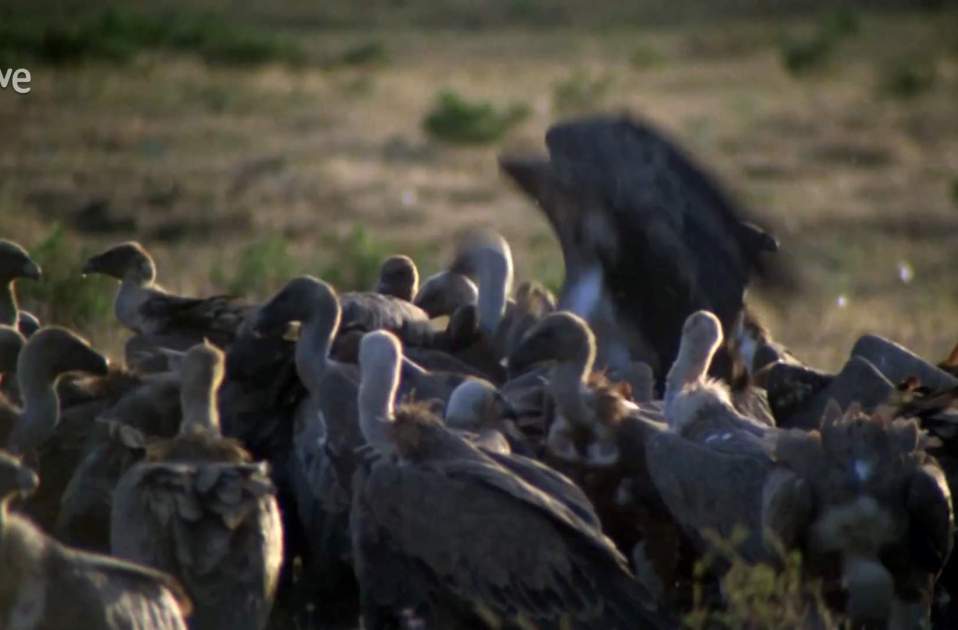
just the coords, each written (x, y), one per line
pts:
(97, 364)
(31, 270)
(91, 266)
(27, 481)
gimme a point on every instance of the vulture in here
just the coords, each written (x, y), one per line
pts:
(859, 496)
(647, 236)
(111, 445)
(15, 263)
(159, 318)
(325, 434)
(597, 435)
(446, 292)
(444, 536)
(399, 278)
(46, 585)
(477, 407)
(198, 509)
(46, 356)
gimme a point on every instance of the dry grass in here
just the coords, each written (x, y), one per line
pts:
(199, 161)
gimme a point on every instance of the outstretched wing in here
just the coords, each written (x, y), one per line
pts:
(667, 239)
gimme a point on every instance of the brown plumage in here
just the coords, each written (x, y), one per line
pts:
(445, 534)
(198, 510)
(47, 585)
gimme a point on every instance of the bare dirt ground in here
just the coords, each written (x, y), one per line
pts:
(200, 161)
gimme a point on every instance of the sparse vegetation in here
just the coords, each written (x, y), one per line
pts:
(62, 296)
(353, 260)
(456, 120)
(909, 77)
(580, 93)
(263, 265)
(802, 54)
(756, 595)
(117, 34)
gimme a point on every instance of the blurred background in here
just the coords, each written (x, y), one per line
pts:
(245, 142)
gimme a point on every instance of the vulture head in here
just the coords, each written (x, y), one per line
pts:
(446, 292)
(15, 263)
(15, 478)
(398, 277)
(126, 261)
(49, 353)
(476, 405)
(559, 336)
(53, 351)
(303, 299)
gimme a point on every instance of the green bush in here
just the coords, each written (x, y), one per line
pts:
(458, 121)
(63, 296)
(263, 265)
(118, 34)
(908, 77)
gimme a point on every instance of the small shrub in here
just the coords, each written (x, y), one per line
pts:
(909, 77)
(580, 93)
(458, 121)
(263, 265)
(63, 296)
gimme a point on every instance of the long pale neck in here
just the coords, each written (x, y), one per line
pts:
(495, 276)
(377, 389)
(566, 385)
(691, 365)
(41, 406)
(199, 409)
(8, 304)
(312, 350)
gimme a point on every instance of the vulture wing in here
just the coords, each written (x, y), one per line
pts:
(215, 526)
(509, 552)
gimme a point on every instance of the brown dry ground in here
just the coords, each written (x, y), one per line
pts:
(199, 161)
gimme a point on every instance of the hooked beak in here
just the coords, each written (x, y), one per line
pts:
(97, 364)
(31, 270)
(91, 266)
(27, 482)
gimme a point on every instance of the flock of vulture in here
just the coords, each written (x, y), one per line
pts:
(469, 454)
